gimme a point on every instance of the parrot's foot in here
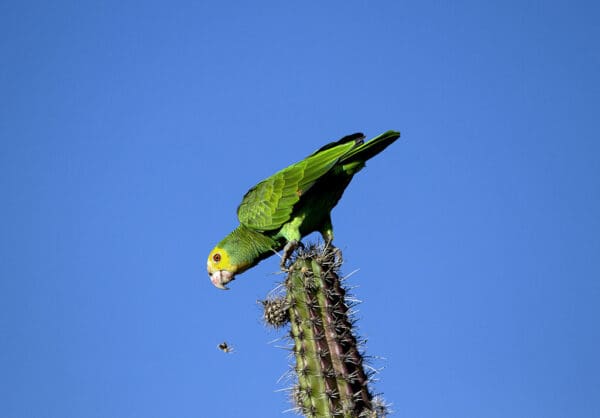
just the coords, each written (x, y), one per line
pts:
(338, 255)
(336, 251)
(288, 250)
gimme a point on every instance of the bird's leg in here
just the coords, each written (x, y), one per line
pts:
(327, 234)
(336, 251)
(338, 255)
(288, 250)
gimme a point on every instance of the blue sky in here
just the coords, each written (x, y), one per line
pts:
(130, 132)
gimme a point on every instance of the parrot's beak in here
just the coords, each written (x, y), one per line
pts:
(220, 278)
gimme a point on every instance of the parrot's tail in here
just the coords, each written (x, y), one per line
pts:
(363, 152)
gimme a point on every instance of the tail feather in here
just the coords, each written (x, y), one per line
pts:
(370, 149)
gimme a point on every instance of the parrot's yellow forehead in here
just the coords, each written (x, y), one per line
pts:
(218, 259)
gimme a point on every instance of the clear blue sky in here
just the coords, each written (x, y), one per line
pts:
(131, 130)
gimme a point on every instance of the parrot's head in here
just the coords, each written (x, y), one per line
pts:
(222, 267)
(236, 253)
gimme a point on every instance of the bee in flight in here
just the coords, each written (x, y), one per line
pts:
(224, 347)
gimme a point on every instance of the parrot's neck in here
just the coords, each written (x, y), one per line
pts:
(248, 247)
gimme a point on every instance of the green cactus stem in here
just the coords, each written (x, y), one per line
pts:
(331, 380)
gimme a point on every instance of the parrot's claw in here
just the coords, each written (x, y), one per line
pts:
(336, 251)
(338, 255)
(288, 250)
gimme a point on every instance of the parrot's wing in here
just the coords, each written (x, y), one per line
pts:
(270, 203)
(357, 138)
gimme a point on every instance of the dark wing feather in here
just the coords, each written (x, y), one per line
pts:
(357, 138)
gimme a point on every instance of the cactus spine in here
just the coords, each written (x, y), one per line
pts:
(331, 381)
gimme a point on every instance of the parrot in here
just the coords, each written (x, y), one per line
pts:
(278, 212)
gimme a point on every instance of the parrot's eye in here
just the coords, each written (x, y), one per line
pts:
(217, 257)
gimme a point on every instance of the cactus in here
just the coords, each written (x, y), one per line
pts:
(329, 369)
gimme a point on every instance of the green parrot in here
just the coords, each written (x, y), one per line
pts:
(294, 202)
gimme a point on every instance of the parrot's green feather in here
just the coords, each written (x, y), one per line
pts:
(357, 138)
(269, 204)
(249, 245)
(370, 149)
